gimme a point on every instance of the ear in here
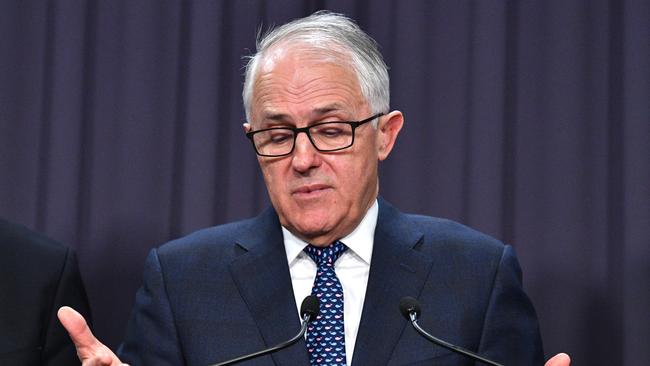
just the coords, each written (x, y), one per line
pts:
(387, 131)
(247, 127)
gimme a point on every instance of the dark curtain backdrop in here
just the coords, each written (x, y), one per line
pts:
(121, 129)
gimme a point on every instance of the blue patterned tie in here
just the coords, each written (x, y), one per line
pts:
(326, 335)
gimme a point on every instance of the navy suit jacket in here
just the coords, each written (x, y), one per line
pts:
(37, 276)
(226, 291)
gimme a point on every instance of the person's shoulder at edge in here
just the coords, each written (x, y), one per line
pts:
(22, 238)
(39, 275)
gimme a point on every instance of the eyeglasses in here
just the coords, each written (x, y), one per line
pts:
(325, 137)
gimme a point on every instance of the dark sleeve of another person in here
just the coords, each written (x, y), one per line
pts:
(58, 349)
(37, 277)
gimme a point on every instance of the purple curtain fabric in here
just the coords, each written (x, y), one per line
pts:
(120, 128)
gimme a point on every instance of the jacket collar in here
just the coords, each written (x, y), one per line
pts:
(262, 275)
(397, 270)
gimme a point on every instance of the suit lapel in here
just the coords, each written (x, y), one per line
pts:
(262, 276)
(396, 270)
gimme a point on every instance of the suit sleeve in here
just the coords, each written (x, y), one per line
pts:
(151, 337)
(57, 347)
(510, 332)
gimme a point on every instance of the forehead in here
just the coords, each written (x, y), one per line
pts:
(300, 81)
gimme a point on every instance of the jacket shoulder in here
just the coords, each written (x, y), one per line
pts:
(451, 231)
(445, 237)
(211, 238)
(25, 244)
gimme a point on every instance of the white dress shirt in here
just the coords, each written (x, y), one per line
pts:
(352, 269)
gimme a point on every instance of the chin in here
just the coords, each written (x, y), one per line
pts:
(311, 220)
(311, 227)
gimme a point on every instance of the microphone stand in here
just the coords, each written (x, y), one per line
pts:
(303, 328)
(447, 345)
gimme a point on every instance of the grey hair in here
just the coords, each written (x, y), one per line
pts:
(338, 38)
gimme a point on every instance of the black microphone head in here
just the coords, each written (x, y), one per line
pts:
(408, 305)
(310, 306)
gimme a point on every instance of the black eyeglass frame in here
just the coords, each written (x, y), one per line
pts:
(296, 131)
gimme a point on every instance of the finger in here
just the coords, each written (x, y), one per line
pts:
(89, 349)
(77, 327)
(561, 359)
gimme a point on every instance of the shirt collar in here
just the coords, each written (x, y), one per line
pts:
(360, 240)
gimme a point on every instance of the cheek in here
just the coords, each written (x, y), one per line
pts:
(355, 175)
(275, 179)
(269, 176)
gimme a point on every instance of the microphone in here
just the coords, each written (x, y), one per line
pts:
(309, 310)
(410, 308)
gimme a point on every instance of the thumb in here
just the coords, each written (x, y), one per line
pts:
(561, 359)
(77, 327)
(89, 348)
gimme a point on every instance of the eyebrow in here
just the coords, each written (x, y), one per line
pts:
(327, 109)
(317, 111)
(276, 117)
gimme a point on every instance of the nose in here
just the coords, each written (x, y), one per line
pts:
(305, 156)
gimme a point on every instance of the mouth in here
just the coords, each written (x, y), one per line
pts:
(311, 190)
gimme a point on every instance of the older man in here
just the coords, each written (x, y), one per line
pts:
(317, 101)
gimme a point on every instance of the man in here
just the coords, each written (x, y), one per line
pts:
(37, 277)
(316, 98)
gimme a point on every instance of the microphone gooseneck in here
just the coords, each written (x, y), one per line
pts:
(309, 310)
(410, 309)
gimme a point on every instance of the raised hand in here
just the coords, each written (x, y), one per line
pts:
(90, 350)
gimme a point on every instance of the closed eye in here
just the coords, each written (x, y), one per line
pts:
(331, 130)
(279, 136)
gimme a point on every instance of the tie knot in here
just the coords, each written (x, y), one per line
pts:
(326, 255)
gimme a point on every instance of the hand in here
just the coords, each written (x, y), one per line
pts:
(91, 352)
(561, 359)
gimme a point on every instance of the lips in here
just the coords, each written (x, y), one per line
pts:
(310, 189)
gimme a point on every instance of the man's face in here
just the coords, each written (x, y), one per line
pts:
(319, 196)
